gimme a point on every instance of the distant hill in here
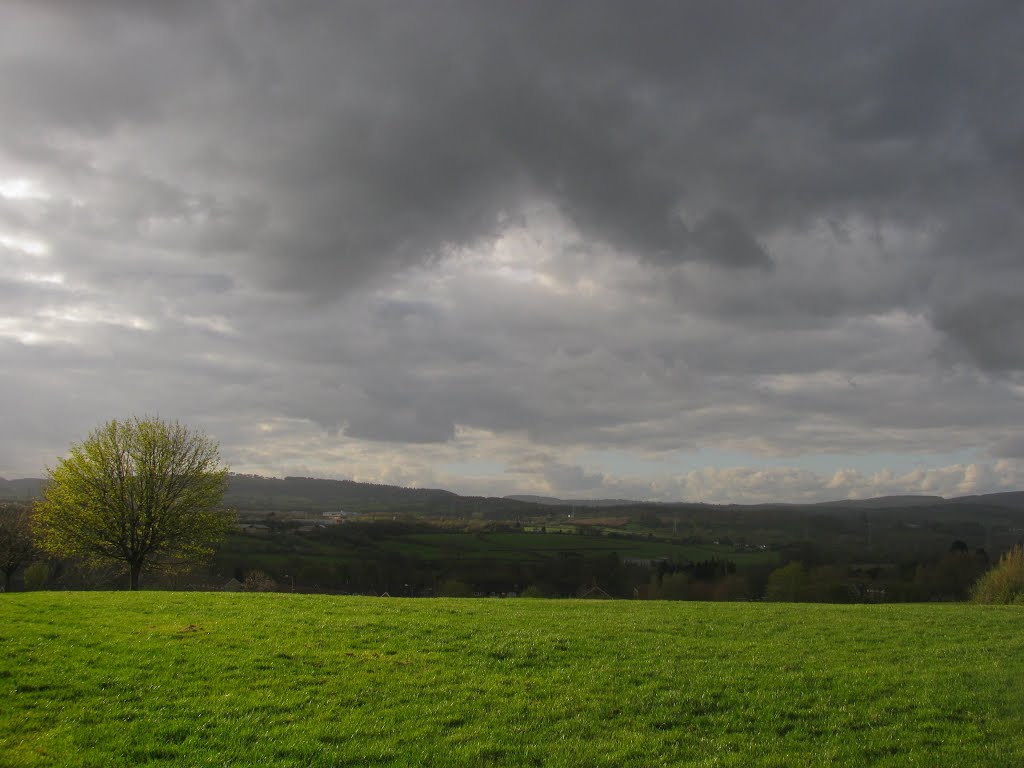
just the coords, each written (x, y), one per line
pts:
(308, 493)
(881, 502)
(1008, 500)
(884, 502)
(553, 502)
(22, 489)
(315, 494)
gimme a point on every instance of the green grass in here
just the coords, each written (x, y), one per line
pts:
(160, 678)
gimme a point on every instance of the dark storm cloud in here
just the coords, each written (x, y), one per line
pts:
(381, 136)
(724, 240)
(374, 137)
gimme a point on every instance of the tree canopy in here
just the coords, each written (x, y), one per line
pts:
(144, 493)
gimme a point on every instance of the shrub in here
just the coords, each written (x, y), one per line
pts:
(1004, 583)
(37, 575)
(786, 584)
(258, 581)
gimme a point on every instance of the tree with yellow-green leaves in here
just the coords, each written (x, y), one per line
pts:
(143, 493)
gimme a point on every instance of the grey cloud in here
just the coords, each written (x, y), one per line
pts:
(724, 240)
(383, 137)
(778, 227)
(559, 476)
(20, 296)
(612, 378)
(988, 329)
(401, 422)
(424, 406)
(571, 478)
(1009, 448)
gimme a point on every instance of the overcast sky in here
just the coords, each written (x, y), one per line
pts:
(717, 251)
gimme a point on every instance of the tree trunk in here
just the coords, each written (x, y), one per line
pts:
(136, 570)
(8, 577)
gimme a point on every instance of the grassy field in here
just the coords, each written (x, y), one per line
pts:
(161, 678)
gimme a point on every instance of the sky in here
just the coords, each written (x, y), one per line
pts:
(702, 251)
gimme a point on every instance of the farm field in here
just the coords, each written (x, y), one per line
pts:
(163, 678)
(535, 546)
(517, 547)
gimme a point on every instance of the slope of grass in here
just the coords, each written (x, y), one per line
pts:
(158, 678)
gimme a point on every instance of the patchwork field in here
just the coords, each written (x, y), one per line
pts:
(161, 678)
(533, 546)
(284, 552)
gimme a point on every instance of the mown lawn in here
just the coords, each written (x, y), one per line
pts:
(161, 678)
